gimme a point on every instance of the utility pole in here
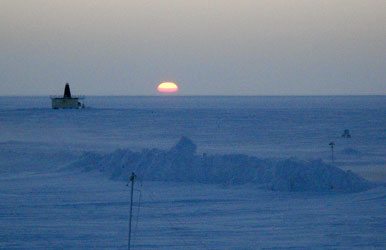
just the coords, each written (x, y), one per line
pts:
(332, 144)
(131, 179)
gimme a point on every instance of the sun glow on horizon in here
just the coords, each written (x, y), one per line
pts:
(167, 87)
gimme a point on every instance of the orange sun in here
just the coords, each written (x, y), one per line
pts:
(167, 87)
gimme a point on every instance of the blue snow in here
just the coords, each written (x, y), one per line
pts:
(248, 173)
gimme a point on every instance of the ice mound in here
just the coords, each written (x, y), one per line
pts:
(182, 163)
(184, 147)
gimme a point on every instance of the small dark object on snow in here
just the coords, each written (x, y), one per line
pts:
(346, 134)
(332, 144)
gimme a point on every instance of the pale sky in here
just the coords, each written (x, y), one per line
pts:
(209, 47)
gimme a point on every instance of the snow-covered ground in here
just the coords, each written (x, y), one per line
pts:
(66, 211)
(57, 166)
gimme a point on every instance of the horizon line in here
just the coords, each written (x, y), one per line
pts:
(216, 95)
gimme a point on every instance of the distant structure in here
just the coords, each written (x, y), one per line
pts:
(346, 134)
(67, 101)
(332, 144)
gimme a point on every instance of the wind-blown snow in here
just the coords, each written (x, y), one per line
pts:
(351, 152)
(182, 163)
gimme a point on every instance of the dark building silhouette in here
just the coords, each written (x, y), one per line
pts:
(67, 101)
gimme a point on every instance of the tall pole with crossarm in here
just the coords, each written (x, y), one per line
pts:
(131, 179)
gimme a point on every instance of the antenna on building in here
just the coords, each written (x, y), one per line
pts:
(67, 91)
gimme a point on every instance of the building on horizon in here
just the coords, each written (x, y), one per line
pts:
(67, 101)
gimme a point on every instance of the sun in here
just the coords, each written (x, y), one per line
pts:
(167, 87)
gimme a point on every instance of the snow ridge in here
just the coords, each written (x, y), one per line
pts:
(181, 163)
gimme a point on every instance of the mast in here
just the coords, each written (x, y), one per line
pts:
(131, 179)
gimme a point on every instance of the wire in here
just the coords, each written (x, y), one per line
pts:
(171, 223)
(138, 210)
(173, 226)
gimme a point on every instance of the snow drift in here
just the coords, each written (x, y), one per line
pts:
(182, 163)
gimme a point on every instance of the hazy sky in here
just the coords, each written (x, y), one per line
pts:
(209, 47)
